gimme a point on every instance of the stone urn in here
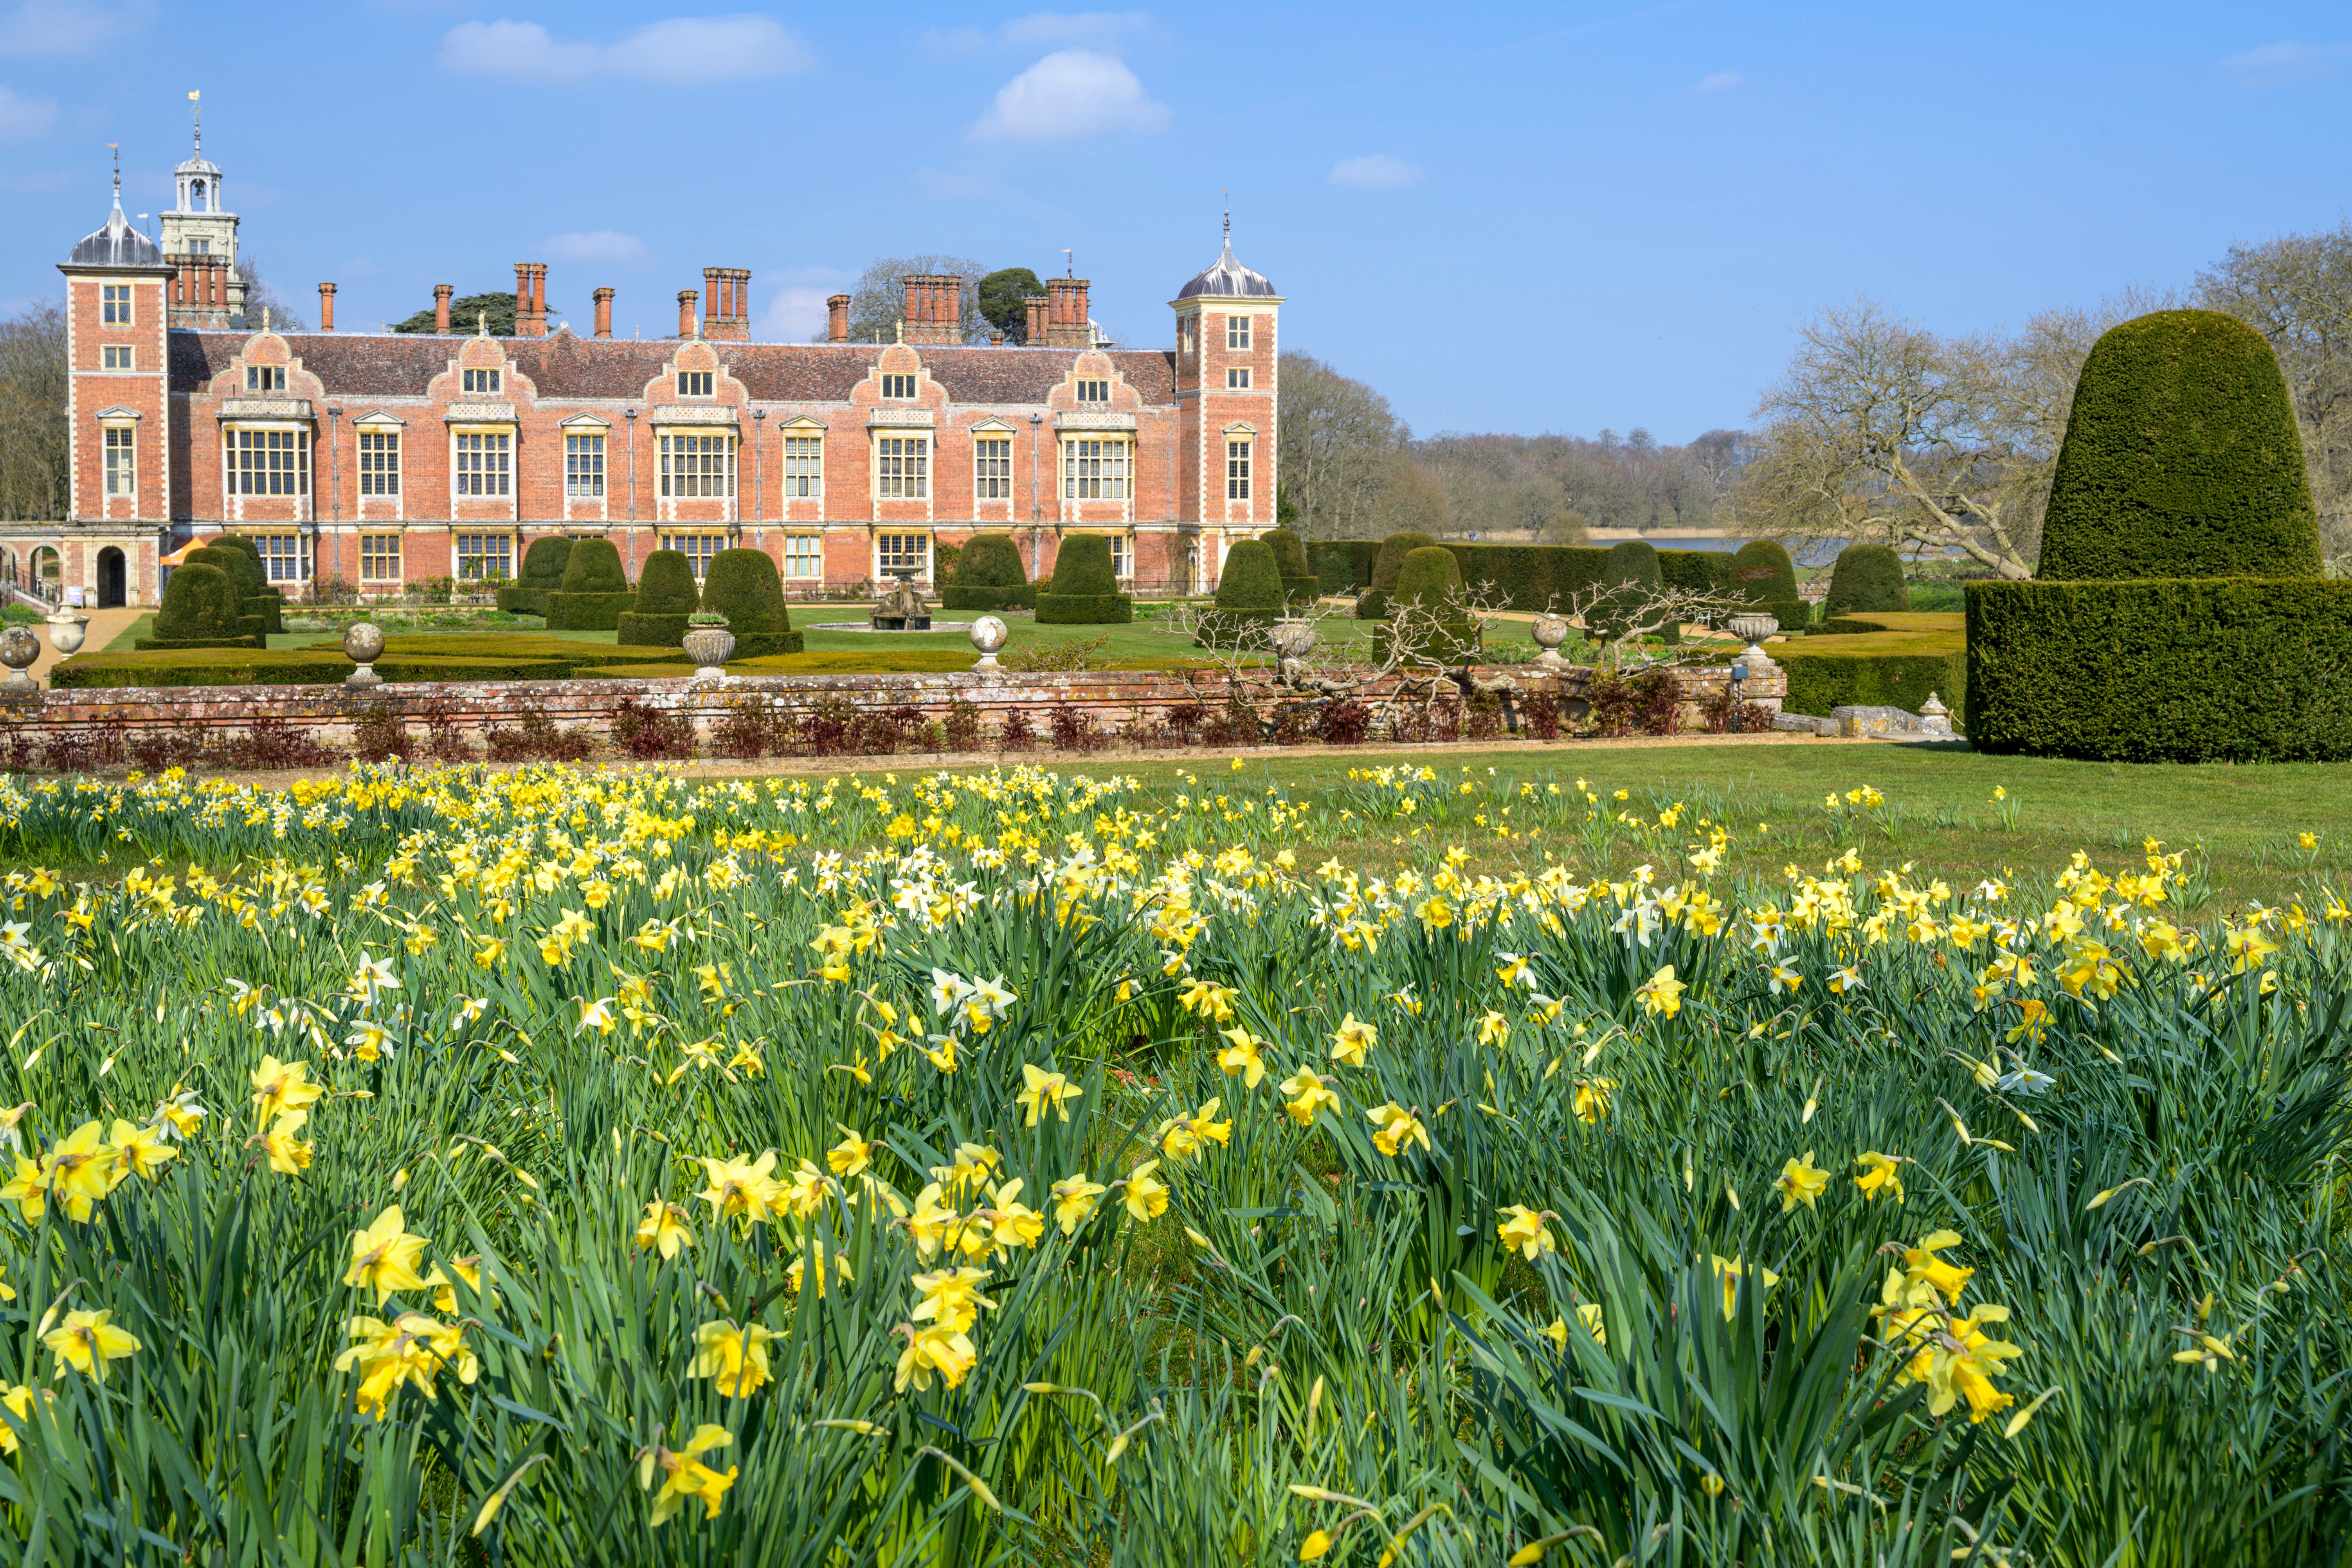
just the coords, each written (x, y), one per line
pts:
(1550, 631)
(1753, 629)
(363, 645)
(988, 633)
(66, 631)
(19, 647)
(1292, 639)
(710, 644)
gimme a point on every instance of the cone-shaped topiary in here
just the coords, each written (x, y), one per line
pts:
(542, 573)
(595, 593)
(1438, 629)
(200, 608)
(665, 597)
(989, 577)
(1632, 577)
(1373, 604)
(1867, 577)
(1299, 583)
(1763, 574)
(2181, 459)
(743, 586)
(1084, 591)
(1249, 597)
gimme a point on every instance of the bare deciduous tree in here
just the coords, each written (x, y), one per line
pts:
(33, 445)
(877, 301)
(1340, 448)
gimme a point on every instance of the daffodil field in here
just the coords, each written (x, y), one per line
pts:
(552, 1167)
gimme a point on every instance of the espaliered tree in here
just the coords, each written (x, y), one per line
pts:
(1867, 577)
(595, 593)
(542, 573)
(1763, 574)
(665, 597)
(1084, 590)
(1373, 604)
(1299, 584)
(743, 586)
(1249, 597)
(1429, 616)
(2181, 459)
(200, 608)
(989, 577)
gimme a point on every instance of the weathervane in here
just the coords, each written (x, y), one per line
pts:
(197, 115)
(1069, 266)
(1228, 194)
(117, 146)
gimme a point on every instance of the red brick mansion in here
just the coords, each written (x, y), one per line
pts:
(387, 458)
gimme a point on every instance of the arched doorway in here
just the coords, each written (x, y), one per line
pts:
(112, 574)
(48, 577)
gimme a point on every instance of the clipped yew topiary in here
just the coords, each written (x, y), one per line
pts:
(1633, 578)
(1763, 574)
(665, 597)
(1299, 582)
(2181, 459)
(1372, 605)
(200, 608)
(743, 586)
(595, 593)
(1429, 581)
(542, 573)
(989, 575)
(1867, 577)
(259, 609)
(1249, 597)
(1083, 592)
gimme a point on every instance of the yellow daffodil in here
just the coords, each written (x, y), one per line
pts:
(1354, 1041)
(1398, 1129)
(948, 1353)
(289, 1156)
(1044, 1090)
(1241, 1055)
(1523, 1229)
(849, 1156)
(684, 1478)
(1591, 1101)
(736, 1357)
(384, 1257)
(1074, 1201)
(282, 1086)
(1730, 1271)
(1662, 994)
(86, 1341)
(1307, 1096)
(664, 1229)
(1800, 1181)
(1146, 1197)
(1880, 1173)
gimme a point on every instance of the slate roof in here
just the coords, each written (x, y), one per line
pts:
(116, 245)
(1227, 279)
(397, 364)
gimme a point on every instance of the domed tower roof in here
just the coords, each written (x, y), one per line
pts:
(1228, 278)
(117, 244)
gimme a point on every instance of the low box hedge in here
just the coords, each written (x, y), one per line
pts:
(162, 645)
(1085, 609)
(1023, 598)
(587, 612)
(280, 667)
(2163, 669)
(652, 631)
(1875, 668)
(906, 661)
(1862, 623)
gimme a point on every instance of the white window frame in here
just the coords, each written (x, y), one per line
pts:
(1097, 467)
(482, 541)
(114, 305)
(1240, 476)
(894, 546)
(120, 444)
(379, 463)
(804, 557)
(804, 465)
(697, 465)
(1122, 556)
(480, 383)
(1237, 378)
(374, 548)
(992, 465)
(1237, 334)
(115, 356)
(697, 546)
(902, 468)
(584, 464)
(481, 464)
(260, 464)
(285, 556)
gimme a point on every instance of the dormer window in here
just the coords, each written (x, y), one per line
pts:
(695, 383)
(898, 386)
(1094, 391)
(265, 378)
(482, 381)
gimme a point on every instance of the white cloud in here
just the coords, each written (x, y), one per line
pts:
(1069, 94)
(1373, 172)
(2288, 60)
(46, 29)
(682, 50)
(793, 314)
(1719, 81)
(596, 245)
(1095, 27)
(22, 118)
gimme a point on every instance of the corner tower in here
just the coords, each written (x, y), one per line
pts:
(117, 409)
(1226, 320)
(200, 241)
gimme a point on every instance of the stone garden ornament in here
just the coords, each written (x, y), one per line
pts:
(1550, 631)
(363, 645)
(709, 643)
(988, 635)
(66, 631)
(19, 647)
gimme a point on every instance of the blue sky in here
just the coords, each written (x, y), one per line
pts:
(1530, 219)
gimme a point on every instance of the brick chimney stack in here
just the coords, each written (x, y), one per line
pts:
(441, 292)
(1034, 336)
(1068, 324)
(604, 298)
(727, 311)
(836, 318)
(326, 307)
(530, 299)
(686, 323)
(934, 308)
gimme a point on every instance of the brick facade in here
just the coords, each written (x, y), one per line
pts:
(843, 461)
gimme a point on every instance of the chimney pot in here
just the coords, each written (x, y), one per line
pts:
(326, 307)
(836, 318)
(604, 298)
(1066, 314)
(685, 299)
(441, 293)
(1035, 334)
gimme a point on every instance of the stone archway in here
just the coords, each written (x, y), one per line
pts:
(46, 574)
(113, 576)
